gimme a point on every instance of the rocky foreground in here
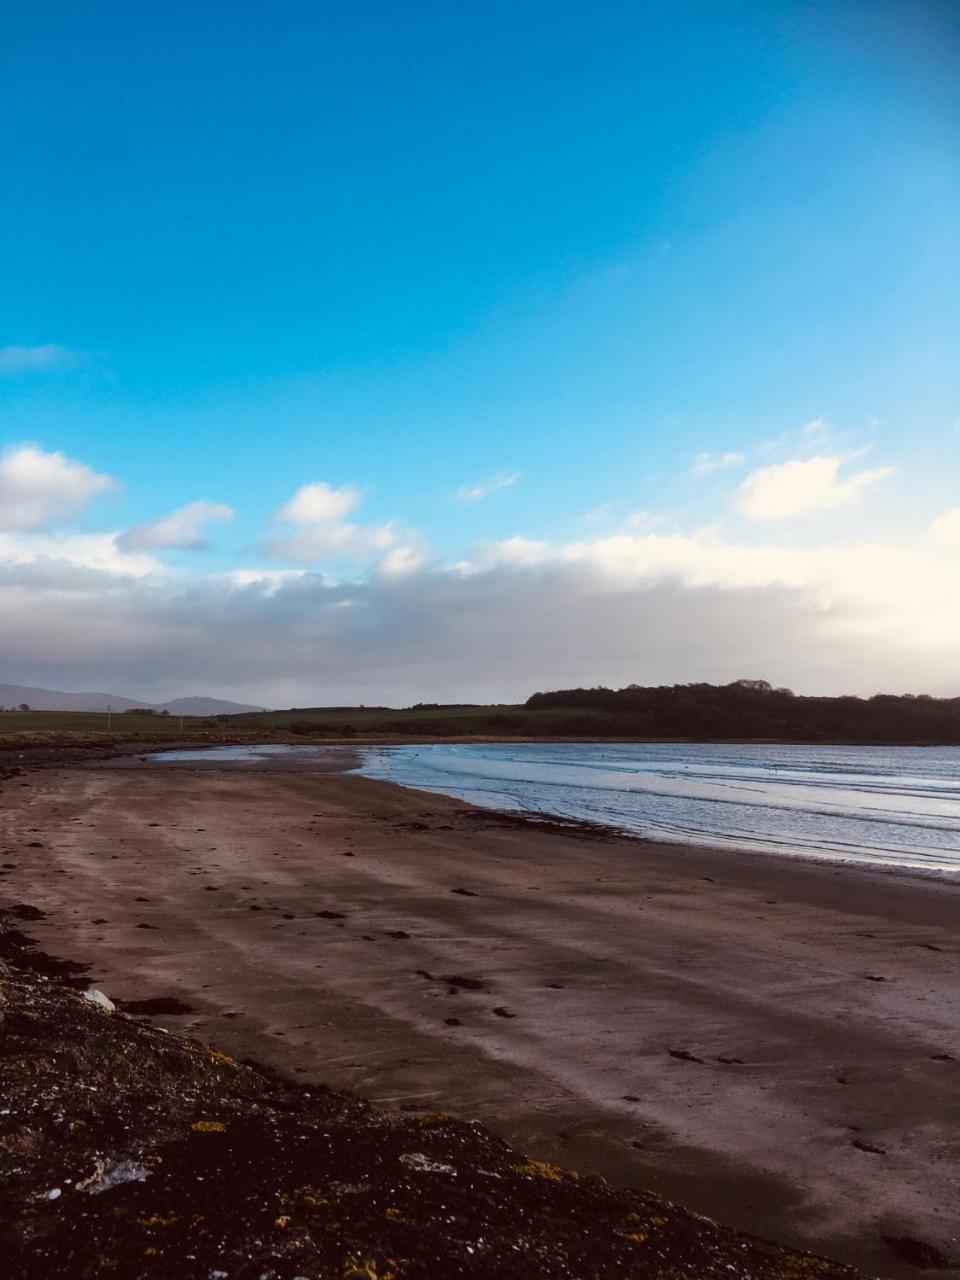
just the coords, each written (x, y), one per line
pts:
(127, 1151)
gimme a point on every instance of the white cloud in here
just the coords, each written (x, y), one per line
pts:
(704, 463)
(643, 520)
(98, 552)
(182, 528)
(515, 551)
(815, 433)
(401, 561)
(322, 533)
(798, 487)
(319, 503)
(946, 528)
(815, 430)
(268, 578)
(475, 492)
(47, 358)
(38, 489)
(313, 543)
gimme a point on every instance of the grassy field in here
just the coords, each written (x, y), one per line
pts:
(746, 711)
(96, 722)
(336, 722)
(503, 720)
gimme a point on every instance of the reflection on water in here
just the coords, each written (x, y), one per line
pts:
(236, 755)
(893, 805)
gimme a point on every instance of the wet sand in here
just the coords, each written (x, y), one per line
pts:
(772, 1042)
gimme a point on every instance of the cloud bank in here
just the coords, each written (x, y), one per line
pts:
(614, 610)
(359, 612)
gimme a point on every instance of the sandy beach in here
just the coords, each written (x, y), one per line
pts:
(772, 1042)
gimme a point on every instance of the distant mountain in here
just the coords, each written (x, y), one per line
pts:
(12, 695)
(205, 707)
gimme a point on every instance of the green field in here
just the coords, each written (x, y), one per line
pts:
(505, 720)
(96, 722)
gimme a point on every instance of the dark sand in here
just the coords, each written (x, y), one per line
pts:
(772, 1042)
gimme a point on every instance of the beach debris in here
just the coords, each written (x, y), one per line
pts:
(159, 1004)
(109, 1174)
(23, 911)
(423, 1164)
(99, 999)
(684, 1055)
(465, 893)
(502, 1012)
(399, 934)
(463, 982)
(866, 1146)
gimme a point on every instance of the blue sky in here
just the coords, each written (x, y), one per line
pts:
(532, 277)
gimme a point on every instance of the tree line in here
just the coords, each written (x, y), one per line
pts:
(749, 709)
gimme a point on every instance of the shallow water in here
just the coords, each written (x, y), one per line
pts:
(245, 753)
(898, 806)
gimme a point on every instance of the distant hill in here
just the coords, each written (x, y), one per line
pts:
(13, 695)
(199, 706)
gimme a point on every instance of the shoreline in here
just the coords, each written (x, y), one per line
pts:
(17, 739)
(667, 958)
(351, 762)
(610, 831)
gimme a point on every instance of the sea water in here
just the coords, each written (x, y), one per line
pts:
(890, 805)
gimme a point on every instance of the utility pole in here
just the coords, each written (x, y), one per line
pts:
(181, 724)
(109, 713)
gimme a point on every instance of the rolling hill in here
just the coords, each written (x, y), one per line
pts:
(13, 695)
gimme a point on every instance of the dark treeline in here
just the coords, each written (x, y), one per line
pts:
(750, 709)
